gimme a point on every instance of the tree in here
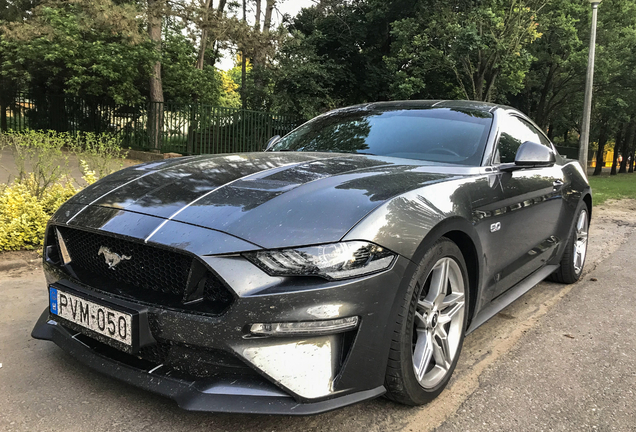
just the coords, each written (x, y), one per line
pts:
(557, 74)
(90, 48)
(12, 76)
(183, 83)
(333, 56)
(485, 44)
(95, 49)
(155, 112)
(210, 18)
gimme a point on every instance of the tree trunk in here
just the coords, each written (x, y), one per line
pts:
(204, 35)
(155, 111)
(269, 8)
(257, 20)
(215, 44)
(602, 140)
(259, 56)
(627, 145)
(489, 85)
(3, 117)
(542, 115)
(617, 145)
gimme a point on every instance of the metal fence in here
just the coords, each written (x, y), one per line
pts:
(167, 127)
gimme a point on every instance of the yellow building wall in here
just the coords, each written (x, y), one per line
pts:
(609, 158)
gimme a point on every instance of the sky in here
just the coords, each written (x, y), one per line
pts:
(291, 7)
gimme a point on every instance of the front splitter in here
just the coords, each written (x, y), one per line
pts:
(187, 393)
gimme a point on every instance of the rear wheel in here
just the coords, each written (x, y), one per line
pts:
(573, 260)
(430, 327)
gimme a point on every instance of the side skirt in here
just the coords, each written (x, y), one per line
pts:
(510, 295)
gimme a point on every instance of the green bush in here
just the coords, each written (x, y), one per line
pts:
(44, 183)
(101, 153)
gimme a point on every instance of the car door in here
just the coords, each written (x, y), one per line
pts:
(529, 208)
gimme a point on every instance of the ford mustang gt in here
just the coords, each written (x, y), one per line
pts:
(346, 261)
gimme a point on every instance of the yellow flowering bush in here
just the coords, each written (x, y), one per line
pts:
(43, 183)
(88, 174)
(23, 216)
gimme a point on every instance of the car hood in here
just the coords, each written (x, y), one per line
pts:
(271, 200)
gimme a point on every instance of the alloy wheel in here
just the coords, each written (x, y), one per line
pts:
(580, 243)
(439, 320)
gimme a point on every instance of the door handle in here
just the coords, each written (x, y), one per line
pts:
(558, 184)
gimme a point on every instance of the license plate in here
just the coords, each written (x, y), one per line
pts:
(98, 318)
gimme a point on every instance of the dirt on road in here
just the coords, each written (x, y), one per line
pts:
(41, 388)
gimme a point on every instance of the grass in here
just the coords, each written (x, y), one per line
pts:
(605, 187)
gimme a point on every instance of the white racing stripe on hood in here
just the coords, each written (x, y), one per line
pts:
(255, 175)
(109, 192)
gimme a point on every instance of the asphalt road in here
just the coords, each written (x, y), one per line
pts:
(563, 357)
(575, 370)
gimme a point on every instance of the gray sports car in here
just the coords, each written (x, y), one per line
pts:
(345, 262)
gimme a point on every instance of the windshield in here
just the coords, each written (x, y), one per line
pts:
(445, 135)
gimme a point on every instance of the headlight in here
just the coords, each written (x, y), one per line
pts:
(331, 261)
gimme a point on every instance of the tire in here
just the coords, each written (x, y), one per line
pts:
(420, 364)
(573, 259)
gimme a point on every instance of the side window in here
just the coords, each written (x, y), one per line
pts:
(513, 133)
(542, 138)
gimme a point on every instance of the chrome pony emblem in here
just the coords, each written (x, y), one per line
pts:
(112, 258)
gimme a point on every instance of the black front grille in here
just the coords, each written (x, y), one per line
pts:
(146, 267)
(144, 273)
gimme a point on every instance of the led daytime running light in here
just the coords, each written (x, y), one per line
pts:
(305, 327)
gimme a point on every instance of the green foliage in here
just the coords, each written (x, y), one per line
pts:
(90, 48)
(483, 44)
(39, 158)
(22, 218)
(342, 53)
(44, 159)
(44, 182)
(304, 79)
(182, 83)
(332, 57)
(98, 154)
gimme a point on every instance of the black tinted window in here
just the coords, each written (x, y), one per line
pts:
(433, 134)
(513, 133)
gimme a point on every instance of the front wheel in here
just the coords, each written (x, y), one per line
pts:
(573, 260)
(430, 327)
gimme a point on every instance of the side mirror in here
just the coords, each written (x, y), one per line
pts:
(273, 140)
(531, 155)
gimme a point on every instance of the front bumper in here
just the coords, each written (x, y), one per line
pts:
(289, 375)
(217, 395)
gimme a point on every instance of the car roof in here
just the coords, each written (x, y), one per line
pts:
(414, 104)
